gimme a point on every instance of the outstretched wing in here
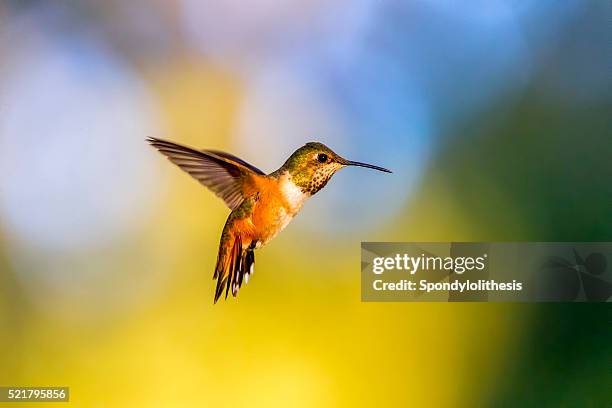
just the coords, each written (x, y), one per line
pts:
(224, 174)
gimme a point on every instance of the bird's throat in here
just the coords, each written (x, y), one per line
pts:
(293, 194)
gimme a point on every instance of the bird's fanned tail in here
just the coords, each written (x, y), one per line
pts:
(234, 264)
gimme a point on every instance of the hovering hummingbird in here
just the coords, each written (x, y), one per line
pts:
(262, 204)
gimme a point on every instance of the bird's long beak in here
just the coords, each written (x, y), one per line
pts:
(369, 166)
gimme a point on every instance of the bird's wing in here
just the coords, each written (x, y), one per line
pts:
(232, 158)
(224, 174)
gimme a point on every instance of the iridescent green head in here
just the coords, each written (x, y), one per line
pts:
(312, 165)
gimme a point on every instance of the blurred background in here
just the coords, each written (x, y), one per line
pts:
(494, 115)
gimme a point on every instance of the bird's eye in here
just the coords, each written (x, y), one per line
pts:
(322, 158)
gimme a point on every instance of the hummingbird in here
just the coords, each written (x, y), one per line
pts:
(261, 204)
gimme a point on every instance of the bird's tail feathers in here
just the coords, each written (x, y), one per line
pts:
(234, 264)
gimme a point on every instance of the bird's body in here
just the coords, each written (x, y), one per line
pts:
(271, 206)
(262, 204)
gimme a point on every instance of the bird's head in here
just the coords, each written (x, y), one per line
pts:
(312, 165)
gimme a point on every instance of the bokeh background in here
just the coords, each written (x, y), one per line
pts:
(494, 115)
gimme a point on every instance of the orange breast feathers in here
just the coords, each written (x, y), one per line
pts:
(271, 212)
